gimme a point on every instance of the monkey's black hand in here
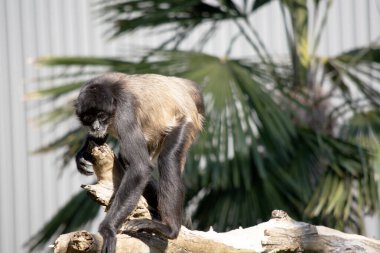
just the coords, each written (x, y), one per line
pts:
(109, 238)
(83, 161)
(84, 158)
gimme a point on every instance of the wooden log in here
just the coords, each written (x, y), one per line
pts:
(280, 234)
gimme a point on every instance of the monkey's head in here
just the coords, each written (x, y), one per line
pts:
(95, 108)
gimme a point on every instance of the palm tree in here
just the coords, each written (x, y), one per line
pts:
(279, 134)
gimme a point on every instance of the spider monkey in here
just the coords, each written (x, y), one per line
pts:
(154, 118)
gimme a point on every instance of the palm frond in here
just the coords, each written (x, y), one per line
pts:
(259, 3)
(338, 185)
(352, 75)
(54, 92)
(56, 115)
(360, 55)
(181, 15)
(71, 142)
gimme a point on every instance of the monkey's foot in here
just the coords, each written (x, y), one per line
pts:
(149, 226)
(142, 225)
(138, 225)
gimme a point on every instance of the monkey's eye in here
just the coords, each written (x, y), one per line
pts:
(102, 116)
(88, 119)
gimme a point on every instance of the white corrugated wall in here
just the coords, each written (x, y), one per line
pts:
(31, 186)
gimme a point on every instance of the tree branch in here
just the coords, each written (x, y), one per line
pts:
(280, 234)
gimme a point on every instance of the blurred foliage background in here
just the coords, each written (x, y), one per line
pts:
(297, 133)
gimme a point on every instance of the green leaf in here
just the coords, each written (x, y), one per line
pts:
(360, 55)
(299, 43)
(79, 61)
(180, 14)
(56, 115)
(259, 3)
(54, 92)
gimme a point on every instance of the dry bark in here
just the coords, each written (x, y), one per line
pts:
(280, 234)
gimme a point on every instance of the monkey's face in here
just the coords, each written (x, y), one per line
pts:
(97, 123)
(95, 107)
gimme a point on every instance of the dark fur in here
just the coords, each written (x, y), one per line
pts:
(109, 95)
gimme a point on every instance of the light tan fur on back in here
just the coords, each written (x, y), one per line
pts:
(170, 100)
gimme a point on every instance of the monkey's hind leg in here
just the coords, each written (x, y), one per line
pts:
(171, 190)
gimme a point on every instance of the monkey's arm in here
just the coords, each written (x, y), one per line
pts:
(135, 157)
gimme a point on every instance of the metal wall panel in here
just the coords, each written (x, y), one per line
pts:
(31, 187)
